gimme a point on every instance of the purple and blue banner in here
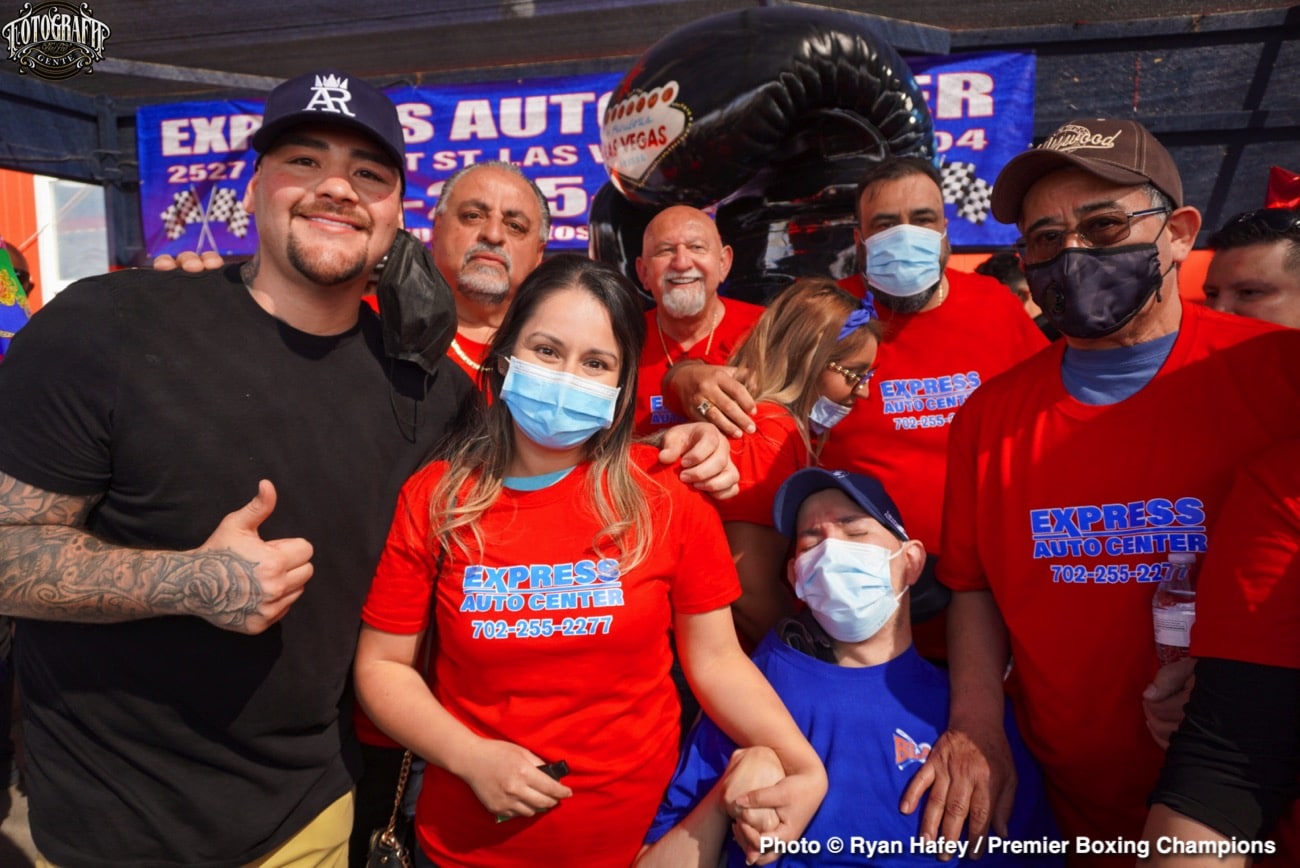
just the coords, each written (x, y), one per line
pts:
(196, 158)
(983, 110)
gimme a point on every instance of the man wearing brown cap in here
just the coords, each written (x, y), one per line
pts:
(1073, 476)
(196, 477)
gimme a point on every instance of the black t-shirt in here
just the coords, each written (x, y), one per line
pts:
(167, 741)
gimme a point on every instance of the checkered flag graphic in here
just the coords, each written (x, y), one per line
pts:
(955, 179)
(225, 207)
(184, 210)
(976, 204)
(962, 187)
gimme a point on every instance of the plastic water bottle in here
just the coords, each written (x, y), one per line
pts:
(1173, 608)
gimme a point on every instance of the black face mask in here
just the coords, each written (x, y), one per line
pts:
(416, 307)
(1092, 292)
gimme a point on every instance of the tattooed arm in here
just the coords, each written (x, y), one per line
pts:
(52, 569)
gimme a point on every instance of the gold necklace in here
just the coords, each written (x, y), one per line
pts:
(464, 357)
(663, 343)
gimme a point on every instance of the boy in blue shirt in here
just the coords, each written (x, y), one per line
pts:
(868, 702)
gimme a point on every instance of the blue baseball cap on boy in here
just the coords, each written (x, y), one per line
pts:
(865, 491)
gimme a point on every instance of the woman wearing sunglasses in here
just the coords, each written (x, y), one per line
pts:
(559, 557)
(809, 358)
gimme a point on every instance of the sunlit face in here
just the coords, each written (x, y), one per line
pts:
(683, 261)
(328, 205)
(1258, 280)
(487, 236)
(832, 514)
(834, 381)
(913, 200)
(570, 331)
(1058, 203)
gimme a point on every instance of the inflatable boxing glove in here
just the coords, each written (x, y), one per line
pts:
(770, 114)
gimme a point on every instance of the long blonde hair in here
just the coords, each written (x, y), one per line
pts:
(485, 445)
(795, 340)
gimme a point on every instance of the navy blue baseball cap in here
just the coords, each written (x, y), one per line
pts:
(333, 97)
(865, 491)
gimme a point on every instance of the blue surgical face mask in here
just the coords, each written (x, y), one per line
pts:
(826, 414)
(903, 260)
(848, 587)
(555, 409)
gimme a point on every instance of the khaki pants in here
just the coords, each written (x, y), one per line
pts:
(322, 843)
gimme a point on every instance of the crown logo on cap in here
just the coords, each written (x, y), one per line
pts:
(330, 94)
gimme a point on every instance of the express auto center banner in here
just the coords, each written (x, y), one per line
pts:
(196, 159)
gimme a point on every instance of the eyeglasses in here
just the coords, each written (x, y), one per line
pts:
(1277, 220)
(24, 277)
(853, 378)
(1098, 230)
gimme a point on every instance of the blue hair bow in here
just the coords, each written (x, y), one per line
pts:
(865, 313)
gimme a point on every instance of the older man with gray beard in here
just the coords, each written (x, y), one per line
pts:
(489, 232)
(682, 263)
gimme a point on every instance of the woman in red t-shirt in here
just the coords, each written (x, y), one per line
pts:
(559, 557)
(809, 358)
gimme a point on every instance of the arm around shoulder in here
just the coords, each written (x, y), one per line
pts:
(711, 393)
(704, 457)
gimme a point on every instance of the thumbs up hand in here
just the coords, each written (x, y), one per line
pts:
(242, 582)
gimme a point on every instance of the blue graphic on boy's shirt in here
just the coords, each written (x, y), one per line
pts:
(907, 751)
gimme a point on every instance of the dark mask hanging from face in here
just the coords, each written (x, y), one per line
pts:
(416, 307)
(1094, 292)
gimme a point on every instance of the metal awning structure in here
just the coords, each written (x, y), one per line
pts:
(1219, 83)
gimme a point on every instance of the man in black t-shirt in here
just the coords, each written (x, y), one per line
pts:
(185, 648)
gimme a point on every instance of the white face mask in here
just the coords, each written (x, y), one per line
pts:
(848, 587)
(826, 414)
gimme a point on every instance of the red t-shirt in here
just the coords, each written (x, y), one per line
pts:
(1066, 512)
(929, 365)
(544, 642)
(652, 413)
(1248, 597)
(764, 460)
(471, 357)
